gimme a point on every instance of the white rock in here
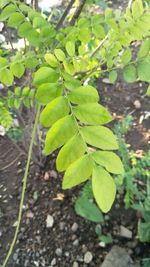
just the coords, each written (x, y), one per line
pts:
(49, 221)
(88, 257)
(74, 227)
(58, 252)
(53, 262)
(137, 104)
(75, 264)
(125, 232)
(102, 244)
(29, 214)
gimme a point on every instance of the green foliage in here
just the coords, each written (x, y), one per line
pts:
(62, 61)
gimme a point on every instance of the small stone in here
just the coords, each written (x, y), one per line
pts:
(15, 256)
(53, 262)
(88, 257)
(125, 232)
(53, 174)
(102, 244)
(67, 254)
(62, 225)
(74, 227)
(58, 252)
(29, 214)
(76, 243)
(137, 104)
(75, 264)
(49, 221)
(46, 176)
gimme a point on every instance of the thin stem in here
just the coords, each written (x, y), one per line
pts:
(64, 15)
(23, 189)
(77, 12)
(99, 46)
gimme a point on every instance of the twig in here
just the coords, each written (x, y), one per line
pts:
(11, 163)
(77, 12)
(23, 190)
(130, 3)
(64, 15)
(99, 46)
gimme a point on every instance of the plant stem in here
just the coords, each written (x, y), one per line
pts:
(23, 189)
(99, 46)
(64, 15)
(77, 12)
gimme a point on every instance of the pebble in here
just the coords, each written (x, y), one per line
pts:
(15, 256)
(62, 225)
(125, 232)
(53, 262)
(49, 221)
(74, 227)
(29, 214)
(58, 252)
(137, 104)
(53, 174)
(102, 244)
(75, 264)
(76, 243)
(88, 257)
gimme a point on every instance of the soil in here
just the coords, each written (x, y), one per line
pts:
(70, 237)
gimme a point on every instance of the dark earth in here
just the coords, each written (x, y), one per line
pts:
(70, 237)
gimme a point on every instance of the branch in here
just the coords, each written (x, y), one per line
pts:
(99, 46)
(77, 12)
(64, 15)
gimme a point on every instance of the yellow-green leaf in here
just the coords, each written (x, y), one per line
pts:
(104, 188)
(99, 136)
(59, 134)
(55, 110)
(109, 160)
(70, 152)
(78, 172)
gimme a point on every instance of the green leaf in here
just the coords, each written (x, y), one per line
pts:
(51, 60)
(144, 49)
(3, 62)
(54, 111)
(45, 75)
(148, 91)
(17, 69)
(126, 56)
(59, 134)
(7, 11)
(70, 48)
(15, 19)
(113, 76)
(100, 136)
(144, 231)
(137, 9)
(47, 92)
(129, 74)
(109, 160)
(88, 210)
(70, 152)
(106, 239)
(6, 77)
(143, 69)
(59, 54)
(92, 113)
(83, 95)
(72, 83)
(104, 188)
(78, 172)
(33, 38)
(25, 29)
